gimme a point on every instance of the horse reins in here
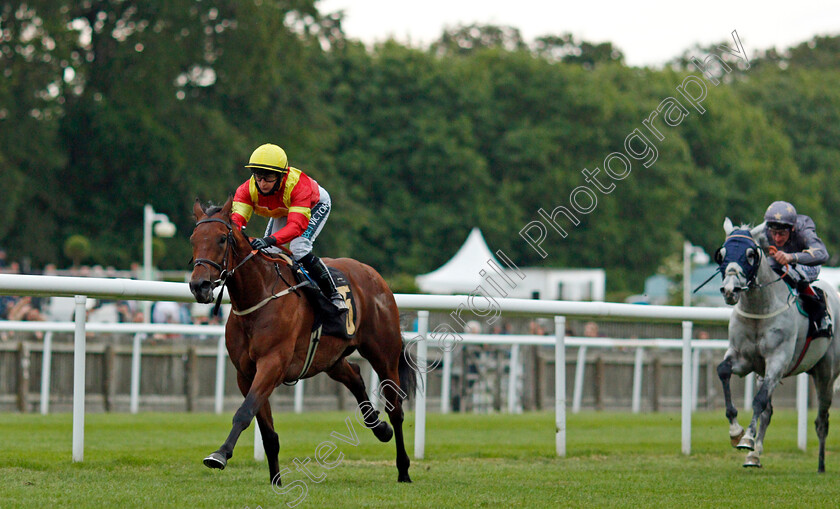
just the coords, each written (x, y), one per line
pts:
(224, 274)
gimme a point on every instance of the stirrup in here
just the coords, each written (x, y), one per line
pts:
(824, 328)
(338, 301)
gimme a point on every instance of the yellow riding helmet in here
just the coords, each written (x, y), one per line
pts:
(269, 157)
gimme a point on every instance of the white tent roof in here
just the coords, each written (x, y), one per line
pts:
(461, 273)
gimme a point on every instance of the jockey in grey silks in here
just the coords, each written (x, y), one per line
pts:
(795, 238)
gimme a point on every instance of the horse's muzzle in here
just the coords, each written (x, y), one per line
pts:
(202, 290)
(731, 295)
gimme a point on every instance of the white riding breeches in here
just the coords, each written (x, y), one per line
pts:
(302, 245)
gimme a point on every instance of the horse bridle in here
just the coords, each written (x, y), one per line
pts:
(224, 274)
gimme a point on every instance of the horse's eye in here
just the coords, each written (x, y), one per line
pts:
(222, 240)
(720, 254)
(752, 256)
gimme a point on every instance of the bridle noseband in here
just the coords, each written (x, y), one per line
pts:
(224, 274)
(222, 268)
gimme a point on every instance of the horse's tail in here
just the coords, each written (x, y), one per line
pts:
(408, 377)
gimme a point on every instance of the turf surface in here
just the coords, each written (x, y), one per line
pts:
(613, 460)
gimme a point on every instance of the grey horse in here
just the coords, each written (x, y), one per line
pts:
(768, 336)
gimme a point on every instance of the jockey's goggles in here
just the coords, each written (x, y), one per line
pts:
(266, 176)
(779, 228)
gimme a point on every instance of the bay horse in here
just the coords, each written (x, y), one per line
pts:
(268, 338)
(768, 336)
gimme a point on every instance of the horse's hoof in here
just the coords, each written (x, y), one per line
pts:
(215, 460)
(736, 438)
(403, 478)
(746, 443)
(383, 431)
(752, 461)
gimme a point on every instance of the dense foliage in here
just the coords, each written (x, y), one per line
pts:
(106, 105)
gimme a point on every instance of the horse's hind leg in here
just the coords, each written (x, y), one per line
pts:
(736, 431)
(390, 371)
(350, 376)
(825, 391)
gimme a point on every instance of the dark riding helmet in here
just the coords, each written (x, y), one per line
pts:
(779, 215)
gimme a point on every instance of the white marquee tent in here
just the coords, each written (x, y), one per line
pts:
(462, 274)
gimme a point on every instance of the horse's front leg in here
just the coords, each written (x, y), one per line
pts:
(265, 379)
(762, 409)
(754, 456)
(731, 361)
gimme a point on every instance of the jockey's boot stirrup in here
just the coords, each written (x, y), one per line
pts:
(321, 274)
(817, 311)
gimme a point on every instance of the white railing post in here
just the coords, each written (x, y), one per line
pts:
(220, 374)
(134, 397)
(513, 375)
(695, 378)
(560, 384)
(749, 390)
(577, 396)
(420, 393)
(446, 382)
(259, 452)
(638, 368)
(46, 367)
(373, 385)
(686, 388)
(79, 380)
(802, 410)
(299, 397)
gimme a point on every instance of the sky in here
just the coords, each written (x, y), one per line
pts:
(648, 32)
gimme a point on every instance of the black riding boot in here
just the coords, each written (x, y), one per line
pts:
(319, 272)
(815, 305)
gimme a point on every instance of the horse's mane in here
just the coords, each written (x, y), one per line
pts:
(212, 209)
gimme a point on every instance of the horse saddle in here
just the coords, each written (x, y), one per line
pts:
(809, 350)
(340, 325)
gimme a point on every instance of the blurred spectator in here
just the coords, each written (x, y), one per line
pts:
(6, 303)
(472, 327)
(536, 327)
(166, 312)
(125, 311)
(24, 309)
(3, 257)
(590, 330)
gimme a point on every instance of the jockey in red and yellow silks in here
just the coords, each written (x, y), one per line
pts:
(294, 198)
(298, 208)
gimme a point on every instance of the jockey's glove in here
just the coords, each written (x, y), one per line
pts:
(262, 243)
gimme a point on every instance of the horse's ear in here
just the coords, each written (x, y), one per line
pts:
(727, 226)
(198, 210)
(759, 237)
(228, 204)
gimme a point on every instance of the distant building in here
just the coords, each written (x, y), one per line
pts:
(473, 262)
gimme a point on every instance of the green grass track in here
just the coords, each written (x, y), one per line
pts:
(613, 460)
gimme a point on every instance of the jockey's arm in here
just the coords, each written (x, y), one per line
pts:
(814, 251)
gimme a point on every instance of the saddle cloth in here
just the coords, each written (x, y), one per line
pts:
(809, 350)
(339, 325)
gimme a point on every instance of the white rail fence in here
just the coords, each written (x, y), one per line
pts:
(83, 288)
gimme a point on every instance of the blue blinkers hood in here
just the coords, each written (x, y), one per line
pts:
(737, 248)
